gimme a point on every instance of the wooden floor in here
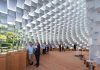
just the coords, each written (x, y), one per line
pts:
(56, 60)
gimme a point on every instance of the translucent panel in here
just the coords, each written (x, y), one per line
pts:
(18, 25)
(11, 4)
(3, 6)
(28, 2)
(57, 20)
(11, 16)
(25, 14)
(3, 18)
(19, 14)
(20, 3)
(35, 1)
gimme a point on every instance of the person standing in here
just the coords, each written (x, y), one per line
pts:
(50, 47)
(63, 49)
(47, 48)
(30, 50)
(37, 54)
(44, 48)
(75, 46)
(60, 47)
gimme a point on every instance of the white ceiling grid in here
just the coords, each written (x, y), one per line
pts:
(49, 20)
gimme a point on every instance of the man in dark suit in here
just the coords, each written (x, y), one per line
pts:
(37, 54)
(48, 48)
(75, 46)
(60, 47)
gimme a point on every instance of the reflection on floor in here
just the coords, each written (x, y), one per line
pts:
(59, 61)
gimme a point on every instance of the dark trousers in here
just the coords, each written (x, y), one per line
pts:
(60, 49)
(47, 49)
(50, 48)
(44, 51)
(37, 60)
(63, 49)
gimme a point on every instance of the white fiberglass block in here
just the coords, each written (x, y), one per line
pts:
(3, 18)
(3, 6)
(92, 53)
(98, 54)
(97, 17)
(19, 14)
(20, 3)
(11, 4)
(97, 3)
(90, 4)
(11, 16)
(35, 1)
(28, 2)
(25, 14)
(98, 60)
(18, 25)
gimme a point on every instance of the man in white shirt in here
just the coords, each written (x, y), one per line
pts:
(30, 50)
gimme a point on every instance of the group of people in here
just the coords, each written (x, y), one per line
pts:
(61, 47)
(45, 48)
(33, 49)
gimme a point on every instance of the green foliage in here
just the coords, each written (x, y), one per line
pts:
(7, 45)
(3, 28)
(11, 37)
(3, 37)
(8, 38)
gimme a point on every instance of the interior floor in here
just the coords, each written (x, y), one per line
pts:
(60, 61)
